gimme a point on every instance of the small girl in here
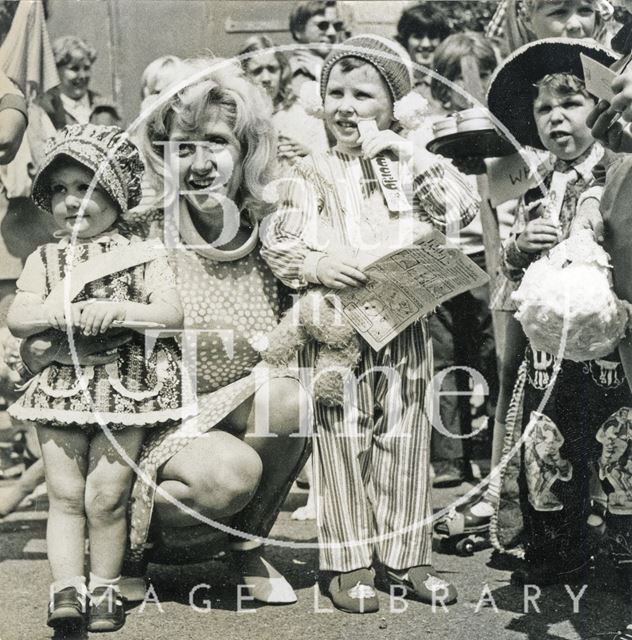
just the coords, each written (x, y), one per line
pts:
(93, 279)
(374, 490)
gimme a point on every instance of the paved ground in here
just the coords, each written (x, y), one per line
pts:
(24, 579)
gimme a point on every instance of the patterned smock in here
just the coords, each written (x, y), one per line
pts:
(134, 390)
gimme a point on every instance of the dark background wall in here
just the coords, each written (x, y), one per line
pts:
(128, 34)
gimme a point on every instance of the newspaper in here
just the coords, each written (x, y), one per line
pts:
(405, 285)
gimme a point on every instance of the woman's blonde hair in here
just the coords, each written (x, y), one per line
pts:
(65, 49)
(217, 84)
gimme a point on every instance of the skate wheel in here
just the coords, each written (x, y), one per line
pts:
(465, 547)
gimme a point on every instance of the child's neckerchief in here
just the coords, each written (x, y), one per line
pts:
(568, 179)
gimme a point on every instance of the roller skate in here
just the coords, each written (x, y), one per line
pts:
(465, 529)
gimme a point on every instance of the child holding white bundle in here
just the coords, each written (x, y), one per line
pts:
(373, 485)
(91, 420)
(576, 415)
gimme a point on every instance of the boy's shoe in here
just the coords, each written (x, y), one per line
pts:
(106, 610)
(542, 575)
(354, 591)
(65, 609)
(424, 584)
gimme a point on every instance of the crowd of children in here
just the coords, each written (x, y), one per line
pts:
(372, 465)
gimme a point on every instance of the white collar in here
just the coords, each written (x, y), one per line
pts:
(80, 109)
(105, 238)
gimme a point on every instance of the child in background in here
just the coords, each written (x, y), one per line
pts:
(91, 279)
(524, 21)
(580, 420)
(376, 484)
(461, 328)
(518, 22)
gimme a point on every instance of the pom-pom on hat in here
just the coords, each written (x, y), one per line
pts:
(389, 58)
(106, 151)
(512, 91)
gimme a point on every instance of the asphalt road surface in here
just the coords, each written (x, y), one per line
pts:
(200, 601)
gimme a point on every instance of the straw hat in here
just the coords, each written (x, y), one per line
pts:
(511, 92)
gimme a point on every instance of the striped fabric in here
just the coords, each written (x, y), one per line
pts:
(372, 487)
(330, 201)
(372, 459)
(495, 30)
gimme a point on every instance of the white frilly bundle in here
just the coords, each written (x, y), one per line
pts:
(566, 304)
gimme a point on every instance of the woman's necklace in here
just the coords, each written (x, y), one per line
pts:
(195, 241)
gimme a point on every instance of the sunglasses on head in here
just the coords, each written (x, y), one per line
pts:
(324, 25)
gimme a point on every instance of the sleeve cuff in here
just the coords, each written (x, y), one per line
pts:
(515, 257)
(309, 266)
(14, 101)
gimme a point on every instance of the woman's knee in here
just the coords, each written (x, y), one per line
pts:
(286, 405)
(229, 485)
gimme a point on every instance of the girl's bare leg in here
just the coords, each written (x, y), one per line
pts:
(108, 483)
(65, 456)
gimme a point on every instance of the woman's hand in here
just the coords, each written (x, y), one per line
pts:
(538, 235)
(589, 218)
(338, 274)
(43, 349)
(607, 129)
(376, 141)
(97, 316)
(289, 149)
(622, 89)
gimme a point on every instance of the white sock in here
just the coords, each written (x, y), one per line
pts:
(98, 581)
(78, 582)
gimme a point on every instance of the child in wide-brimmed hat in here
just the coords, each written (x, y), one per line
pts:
(373, 484)
(91, 420)
(580, 420)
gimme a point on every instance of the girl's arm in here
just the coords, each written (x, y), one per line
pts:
(29, 314)
(164, 307)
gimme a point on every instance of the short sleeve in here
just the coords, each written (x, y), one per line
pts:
(33, 277)
(159, 277)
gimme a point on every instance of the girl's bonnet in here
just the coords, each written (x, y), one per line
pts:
(105, 151)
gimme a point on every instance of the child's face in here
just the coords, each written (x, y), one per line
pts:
(561, 122)
(265, 70)
(459, 102)
(562, 18)
(69, 186)
(359, 94)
